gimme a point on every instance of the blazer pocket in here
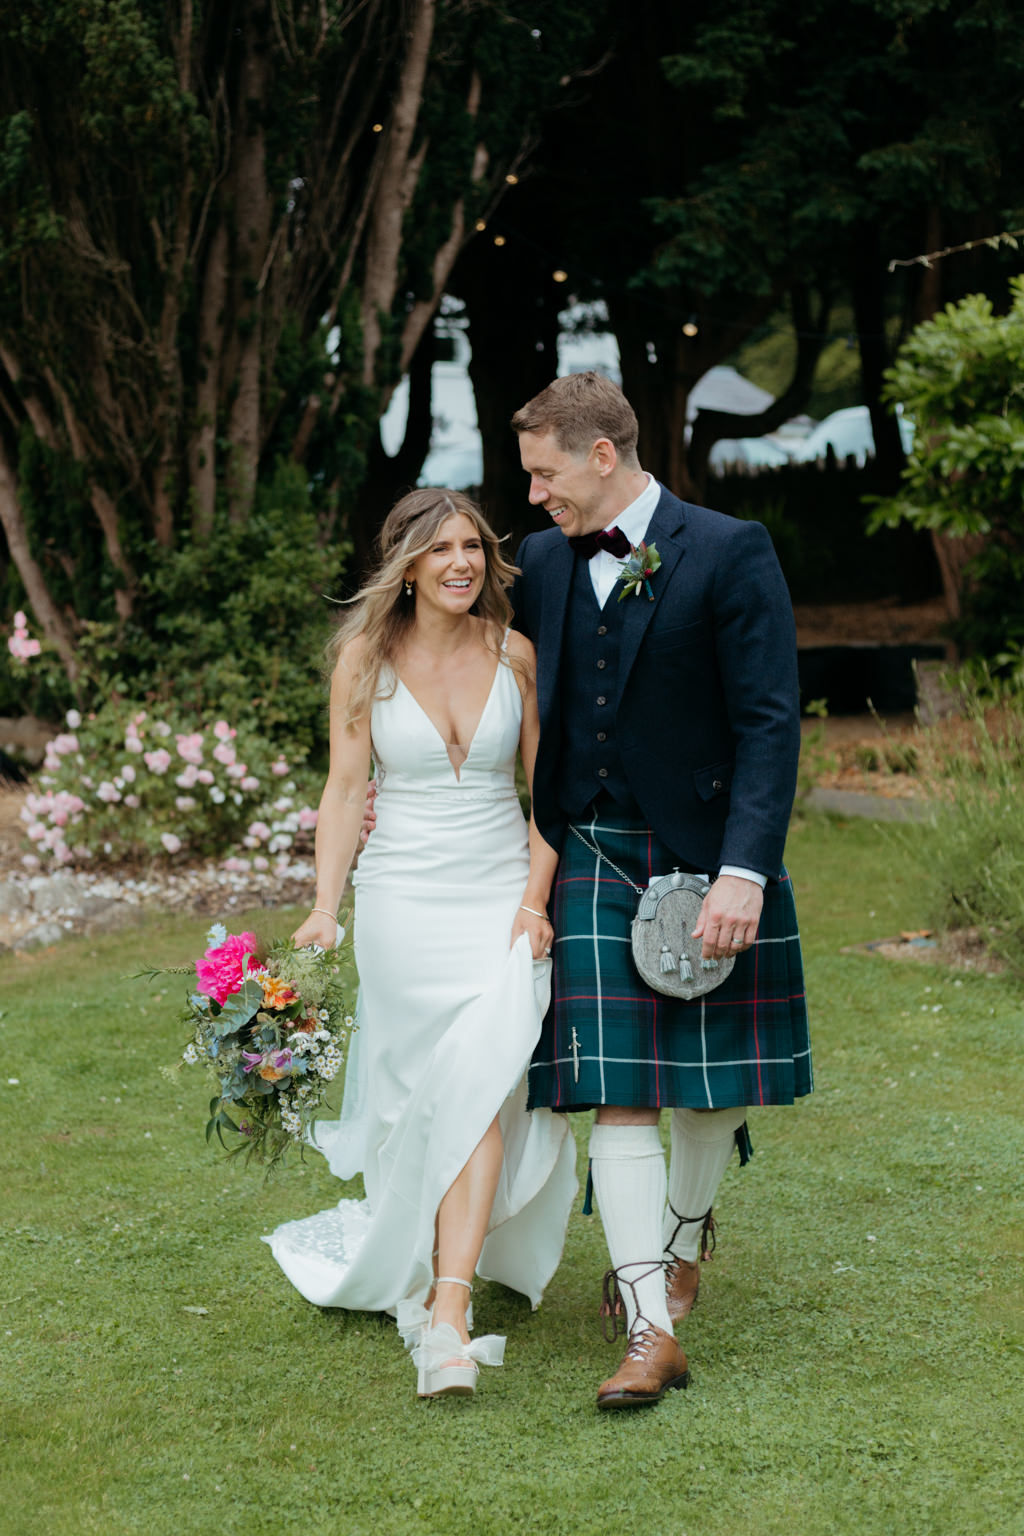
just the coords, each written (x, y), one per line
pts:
(713, 781)
(675, 638)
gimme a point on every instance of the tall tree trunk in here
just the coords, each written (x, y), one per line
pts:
(55, 626)
(203, 441)
(397, 184)
(251, 208)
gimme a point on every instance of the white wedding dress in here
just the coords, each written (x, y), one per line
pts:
(448, 1017)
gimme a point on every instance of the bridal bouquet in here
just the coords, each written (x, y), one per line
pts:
(269, 1024)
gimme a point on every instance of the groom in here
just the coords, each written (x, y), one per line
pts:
(669, 738)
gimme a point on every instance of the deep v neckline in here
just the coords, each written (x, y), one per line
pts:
(433, 725)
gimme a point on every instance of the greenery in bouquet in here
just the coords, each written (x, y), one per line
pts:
(131, 782)
(270, 1025)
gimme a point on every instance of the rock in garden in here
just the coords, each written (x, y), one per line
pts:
(13, 899)
(56, 892)
(46, 933)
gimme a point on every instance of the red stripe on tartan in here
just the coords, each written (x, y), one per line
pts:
(757, 1044)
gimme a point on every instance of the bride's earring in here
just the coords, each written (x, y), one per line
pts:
(408, 587)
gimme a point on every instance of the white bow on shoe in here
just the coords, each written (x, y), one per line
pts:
(447, 1366)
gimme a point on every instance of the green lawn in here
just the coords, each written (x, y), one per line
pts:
(856, 1353)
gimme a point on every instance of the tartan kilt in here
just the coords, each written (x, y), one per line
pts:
(745, 1042)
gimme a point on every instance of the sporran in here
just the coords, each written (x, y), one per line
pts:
(665, 953)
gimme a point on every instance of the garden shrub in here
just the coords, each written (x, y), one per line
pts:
(232, 625)
(971, 850)
(131, 783)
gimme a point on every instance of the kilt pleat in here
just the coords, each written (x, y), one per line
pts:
(608, 1038)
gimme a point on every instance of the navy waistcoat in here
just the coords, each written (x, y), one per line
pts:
(590, 759)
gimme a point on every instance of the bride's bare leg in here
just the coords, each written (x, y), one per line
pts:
(462, 1221)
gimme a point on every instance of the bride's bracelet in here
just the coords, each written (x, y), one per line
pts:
(325, 912)
(532, 911)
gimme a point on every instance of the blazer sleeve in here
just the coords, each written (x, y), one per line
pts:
(755, 638)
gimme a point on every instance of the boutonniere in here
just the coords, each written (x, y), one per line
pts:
(637, 571)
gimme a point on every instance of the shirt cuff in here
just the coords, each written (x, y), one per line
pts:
(744, 874)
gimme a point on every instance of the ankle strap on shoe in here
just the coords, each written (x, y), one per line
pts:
(708, 1232)
(452, 1280)
(612, 1304)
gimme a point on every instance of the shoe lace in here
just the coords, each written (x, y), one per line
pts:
(708, 1236)
(612, 1305)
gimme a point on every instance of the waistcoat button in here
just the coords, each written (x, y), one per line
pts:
(716, 784)
(602, 736)
(602, 773)
(601, 699)
(602, 629)
(600, 664)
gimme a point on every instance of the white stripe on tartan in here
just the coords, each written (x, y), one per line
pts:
(704, 1048)
(645, 1061)
(618, 938)
(597, 962)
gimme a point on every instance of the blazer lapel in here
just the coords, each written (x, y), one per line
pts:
(666, 531)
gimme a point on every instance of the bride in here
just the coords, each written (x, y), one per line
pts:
(451, 943)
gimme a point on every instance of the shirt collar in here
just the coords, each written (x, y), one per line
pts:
(635, 519)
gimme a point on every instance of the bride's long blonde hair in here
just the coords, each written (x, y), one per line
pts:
(382, 613)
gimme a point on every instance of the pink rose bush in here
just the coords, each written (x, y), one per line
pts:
(111, 787)
(21, 644)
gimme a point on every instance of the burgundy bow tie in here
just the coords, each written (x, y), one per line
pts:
(611, 539)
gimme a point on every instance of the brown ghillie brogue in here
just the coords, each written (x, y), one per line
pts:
(652, 1365)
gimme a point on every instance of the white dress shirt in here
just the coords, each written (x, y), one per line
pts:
(604, 574)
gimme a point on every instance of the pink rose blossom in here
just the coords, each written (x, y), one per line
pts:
(238, 770)
(73, 719)
(236, 866)
(280, 768)
(20, 620)
(184, 802)
(65, 743)
(223, 731)
(204, 776)
(224, 752)
(161, 728)
(132, 802)
(249, 783)
(259, 862)
(222, 969)
(128, 774)
(308, 818)
(132, 743)
(187, 777)
(191, 747)
(158, 761)
(108, 792)
(171, 842)
(259, 829)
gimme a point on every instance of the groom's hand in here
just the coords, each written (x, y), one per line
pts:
(369, 811)
(729, 917)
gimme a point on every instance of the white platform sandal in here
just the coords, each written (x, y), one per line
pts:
(446, 1367)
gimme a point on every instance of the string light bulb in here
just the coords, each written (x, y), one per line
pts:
(378, 127)
(559, 276)
(481, 224)
(512, 179)
(499, 239)
(691, 327)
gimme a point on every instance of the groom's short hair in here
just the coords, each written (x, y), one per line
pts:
(578, 410)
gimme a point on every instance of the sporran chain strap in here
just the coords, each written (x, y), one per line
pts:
(595, 849)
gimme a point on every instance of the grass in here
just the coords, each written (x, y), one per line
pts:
(856, 1352)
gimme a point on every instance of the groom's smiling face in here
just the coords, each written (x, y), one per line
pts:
(570, 487)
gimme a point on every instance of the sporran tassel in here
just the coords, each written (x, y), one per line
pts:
(667, 963)
(685, 969)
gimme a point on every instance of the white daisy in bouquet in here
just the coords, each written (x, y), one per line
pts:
(270, 1024)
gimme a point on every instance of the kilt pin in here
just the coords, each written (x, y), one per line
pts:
(669, 737)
